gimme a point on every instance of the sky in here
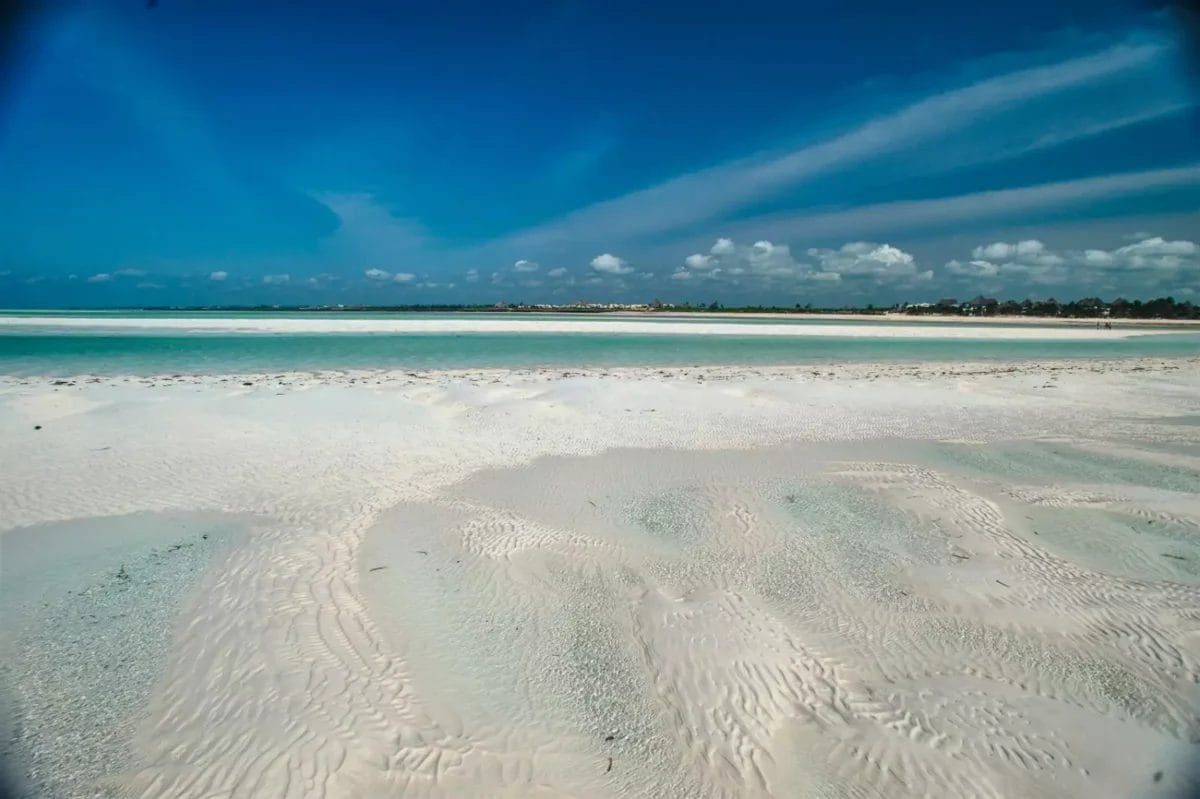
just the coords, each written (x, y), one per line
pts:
(204, 152)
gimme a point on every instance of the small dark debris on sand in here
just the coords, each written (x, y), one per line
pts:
(37, 427)
(1173, 557)
(376, 568)
(609, 765)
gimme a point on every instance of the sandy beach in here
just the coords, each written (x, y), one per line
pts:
(867, 580)
(842, 327)
(949, 319)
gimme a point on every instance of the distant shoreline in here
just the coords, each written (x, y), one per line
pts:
(903, 317)
(896, 327)
(634, 313)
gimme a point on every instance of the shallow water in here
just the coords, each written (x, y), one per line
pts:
(786, 622)
(73, 351)
(1056, 462)
(87, 612)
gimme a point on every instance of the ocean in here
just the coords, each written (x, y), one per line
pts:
(88, 346)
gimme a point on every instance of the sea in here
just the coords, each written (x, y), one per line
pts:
(56, 349)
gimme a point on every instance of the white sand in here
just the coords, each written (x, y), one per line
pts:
(894, 316)
(955, 653)
(613, 325)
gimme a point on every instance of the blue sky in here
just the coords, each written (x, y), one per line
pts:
(269, 152)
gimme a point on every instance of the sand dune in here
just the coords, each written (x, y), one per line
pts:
(867, 581)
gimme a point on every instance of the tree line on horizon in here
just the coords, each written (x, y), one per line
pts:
(1086, 308)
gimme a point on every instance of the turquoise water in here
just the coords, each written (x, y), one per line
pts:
(72, 351)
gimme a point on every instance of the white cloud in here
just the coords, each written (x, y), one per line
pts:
(130, 272)
(976, 268)
(1026, 260)
(384, 276)
(764, 262)
(1155, 260)
(1099, 258)
(472, 276)
(863, 258)
(101, 277)
(1000, 250)
(772, 266)
(276, 280)
(722, 246)
(145, 284)
(557, 272)
(525, 266)
(1156, 246)
(611, 265)
(767, 258)
(218, 276)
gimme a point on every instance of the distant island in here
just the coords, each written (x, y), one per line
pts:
(980, 306)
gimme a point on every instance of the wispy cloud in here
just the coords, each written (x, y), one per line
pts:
(910, 215)
(1095, 127)
(711, 192)
(367, 230)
